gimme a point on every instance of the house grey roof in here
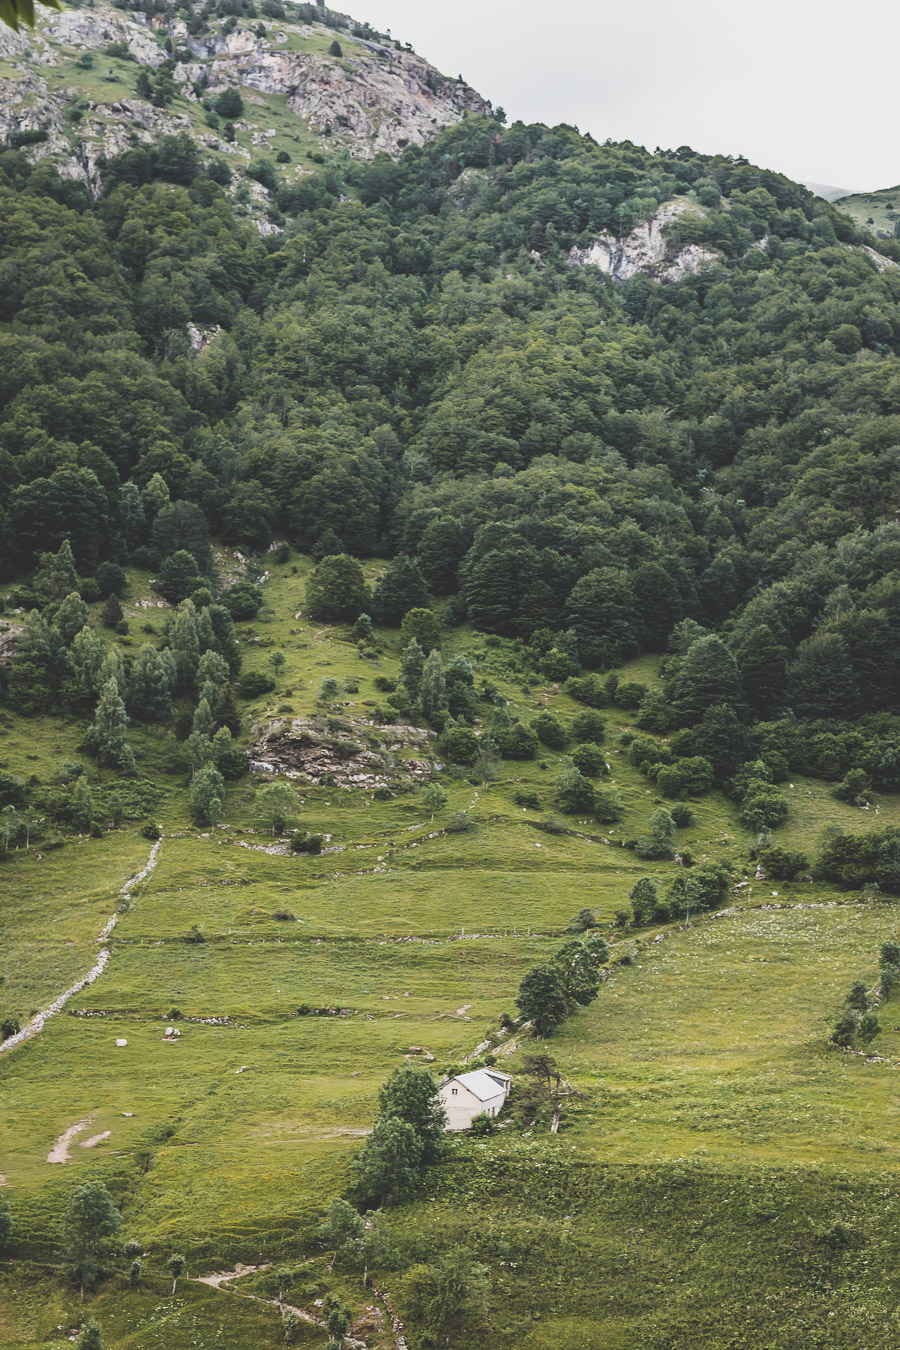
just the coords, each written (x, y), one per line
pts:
(483, 1083)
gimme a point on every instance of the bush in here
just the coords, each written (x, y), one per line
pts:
(549, 731)
(588, 689)
(517, 742)
(608, 808)
(693, 776)
(306, 843)
(255, 683)
(242, 600)
(529, 800)
(629, 694)
(589, 726)
(782, 864)
(589, 759)
(682, 815)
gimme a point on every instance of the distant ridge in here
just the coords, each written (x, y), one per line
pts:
(829, 192)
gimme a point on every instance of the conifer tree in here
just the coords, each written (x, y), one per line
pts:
(111, 613)
(87, 655)
(71, 617)
(185, 645)
(763, 664)
(433, 689)
(229, 760)
(412, 668)
(207, 796)
(226, 711)
(203, 724)
(401, 588)
(132, 517)
(82, 804)
(56, 576)
(155, 496)
(107, 735)
(149, 689)
(708, 675)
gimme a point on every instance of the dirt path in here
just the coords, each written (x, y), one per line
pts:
(317, 635)
(38, 1021)
(59, 1153)
(221, 1279)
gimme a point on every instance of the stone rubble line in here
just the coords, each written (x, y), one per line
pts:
(38, 1021)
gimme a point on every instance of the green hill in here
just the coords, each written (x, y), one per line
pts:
(879, 211)
(558, 477)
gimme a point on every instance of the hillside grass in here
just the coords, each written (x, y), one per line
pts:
(709, 1084)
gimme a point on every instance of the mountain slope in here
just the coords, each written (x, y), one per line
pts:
(69, 91)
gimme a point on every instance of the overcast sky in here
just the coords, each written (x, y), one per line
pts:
(807, 87)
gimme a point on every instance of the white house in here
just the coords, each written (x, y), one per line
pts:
(481, 1092)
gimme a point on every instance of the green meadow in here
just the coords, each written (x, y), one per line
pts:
(716, 1131)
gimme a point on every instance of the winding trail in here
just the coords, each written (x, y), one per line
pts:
(40, 1019)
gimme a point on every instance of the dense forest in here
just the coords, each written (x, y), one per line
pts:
(413, 365)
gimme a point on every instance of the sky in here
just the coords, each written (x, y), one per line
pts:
(806, 87)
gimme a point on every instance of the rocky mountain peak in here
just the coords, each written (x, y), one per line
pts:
(92, 82)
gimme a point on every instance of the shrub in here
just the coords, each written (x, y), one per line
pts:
(588, 726)
(529, 800)
(630, 694)
(589, 759)
(682, 814)
(306, 843)
(549, 731)
(782, 864)
(608, 808)
(587, 689)
(254, 683)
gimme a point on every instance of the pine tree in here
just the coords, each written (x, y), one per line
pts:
(401, 588)
(185, 645)
(178, 577)
(207, 796)
(337, 590)
(225, 710)
(149, 690)
(203, 724)
(212, 674)
(362, 630)
(155, 496)
(132, 517)
(71, 617)
(56, 576)
(112, 613)
(87, 655)
(763, 664)
(82, 804)
(433, 689)
(107, 735)
(412, 668)
(229, 760)
(708, 675)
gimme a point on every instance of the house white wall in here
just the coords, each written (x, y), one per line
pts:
(462, 1105)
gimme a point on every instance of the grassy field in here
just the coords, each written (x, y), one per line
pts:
(711, 1094)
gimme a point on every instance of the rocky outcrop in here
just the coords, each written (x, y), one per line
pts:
(361, 755)
(648, 249)
(371, 98)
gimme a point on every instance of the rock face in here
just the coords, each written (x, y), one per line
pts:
(371, 98)
(364, 755)
(647, 249)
